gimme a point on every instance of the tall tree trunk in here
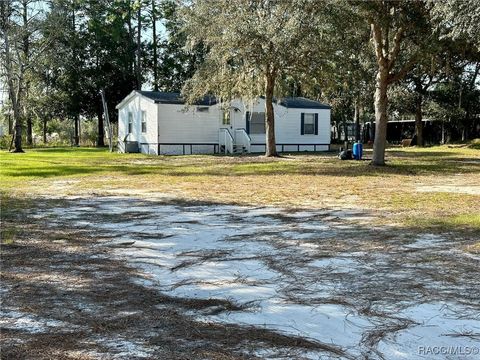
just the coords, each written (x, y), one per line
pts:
(17, 142)
(271, 147)
(101, 134)
(74, 95)
(470, 123)
(443, 132)
(28, 120)
(26, 54)
(14, 87)
(76, 136)
(139, 43)
(154, 45)
(10, 124)
(381, 117)
(131, 60)
(44, 131)
(29, 131)
(357, 119)
(419, 120)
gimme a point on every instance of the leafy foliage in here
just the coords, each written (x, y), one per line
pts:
(57, 55)
(458, 19)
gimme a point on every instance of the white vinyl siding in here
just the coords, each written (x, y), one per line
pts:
(182, 129)
(137, 119)
(149, 138)
(288, 128)
(180, 125)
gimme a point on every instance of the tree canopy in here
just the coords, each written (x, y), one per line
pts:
(58, 55)
(253, 47)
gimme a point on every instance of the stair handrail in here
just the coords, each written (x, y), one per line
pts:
(246, 140)
(228, 140)
(221, 138)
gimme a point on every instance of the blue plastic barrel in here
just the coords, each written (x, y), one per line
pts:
(360, 150)
(357, 150)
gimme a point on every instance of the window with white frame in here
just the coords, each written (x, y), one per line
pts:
(144, 121)
(309, 124)
(257, 123)
(130, 122)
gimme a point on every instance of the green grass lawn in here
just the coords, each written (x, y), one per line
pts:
(299, 180)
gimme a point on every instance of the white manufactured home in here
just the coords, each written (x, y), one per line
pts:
(160, 123)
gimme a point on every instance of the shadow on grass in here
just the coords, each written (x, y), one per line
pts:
(414, 154)
(273, 169)
(57, 150)
(78, 162)
(44, 172)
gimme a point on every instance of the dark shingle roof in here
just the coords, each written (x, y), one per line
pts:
(175, 98)
(302, 103)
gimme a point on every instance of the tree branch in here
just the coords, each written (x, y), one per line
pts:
(377, 41)
(397, 41)
(403, 71)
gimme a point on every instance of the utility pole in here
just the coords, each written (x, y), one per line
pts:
(107, 121)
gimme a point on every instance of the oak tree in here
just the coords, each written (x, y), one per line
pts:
(251, 46)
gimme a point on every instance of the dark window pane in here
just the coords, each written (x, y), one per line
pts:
(144, 121)
(257, 123)
(130, 122)
(309, 127)
(226, 118)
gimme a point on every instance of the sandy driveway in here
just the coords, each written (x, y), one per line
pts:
(324, 276)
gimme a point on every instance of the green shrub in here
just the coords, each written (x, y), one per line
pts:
(475, 144)
(5, 141)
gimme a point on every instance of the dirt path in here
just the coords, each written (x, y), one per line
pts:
(117, 277)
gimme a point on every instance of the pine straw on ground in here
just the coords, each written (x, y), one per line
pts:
(57, 270)
(69, 277)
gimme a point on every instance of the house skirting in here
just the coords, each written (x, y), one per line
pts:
(187, 148)
(214, 148)
(257, 147)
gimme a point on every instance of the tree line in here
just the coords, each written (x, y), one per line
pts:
(57, 55)
(368, 59)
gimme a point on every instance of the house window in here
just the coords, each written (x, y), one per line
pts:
(130, 122)
(202, 108)
(144, 121)
(257, 123)
(309, 124)
(226, 118)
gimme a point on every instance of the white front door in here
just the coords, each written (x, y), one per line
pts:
(227, 121)
(232, 119)
(238, 122)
